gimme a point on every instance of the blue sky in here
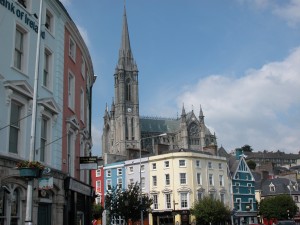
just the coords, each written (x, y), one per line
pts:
(238, 59)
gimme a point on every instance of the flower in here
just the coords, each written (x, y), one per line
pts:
(30, 164)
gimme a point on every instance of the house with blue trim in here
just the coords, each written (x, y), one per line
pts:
(243, 190)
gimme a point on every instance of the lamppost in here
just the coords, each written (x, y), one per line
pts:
(28, 216)
(141, 194)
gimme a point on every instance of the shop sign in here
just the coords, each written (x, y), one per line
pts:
(88, 163)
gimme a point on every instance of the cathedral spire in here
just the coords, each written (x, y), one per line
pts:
(201, 116)
(126, 60)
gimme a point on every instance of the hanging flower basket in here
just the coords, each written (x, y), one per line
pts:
(30, 172)
(30, 169)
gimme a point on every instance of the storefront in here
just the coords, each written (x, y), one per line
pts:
(79, 197)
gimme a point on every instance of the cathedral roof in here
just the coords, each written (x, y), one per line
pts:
(159, 125)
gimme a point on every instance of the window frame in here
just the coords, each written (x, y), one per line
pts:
(72, 48)
(71, 90)
(182, 179)
(182, 163)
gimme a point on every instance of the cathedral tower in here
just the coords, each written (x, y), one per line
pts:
(121, 130)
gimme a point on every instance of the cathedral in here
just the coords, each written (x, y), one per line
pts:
(126, 135)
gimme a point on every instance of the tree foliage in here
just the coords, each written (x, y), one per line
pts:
(251, 164)
(278, 207)
(97, 210)
(208, 210)
(247, 148)
(126, 203)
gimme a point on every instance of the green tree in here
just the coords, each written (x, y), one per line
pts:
(127, 203)
(278, 207)
(210, 211)
(251, 164)
(247, 148)
(97, 210)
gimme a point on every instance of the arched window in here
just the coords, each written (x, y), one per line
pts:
(10, 205)
(194, 134)
(128, 90)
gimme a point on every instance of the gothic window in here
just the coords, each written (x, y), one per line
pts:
(194, 134)
(128, 90)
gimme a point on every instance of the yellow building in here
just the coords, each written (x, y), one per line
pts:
(179, 178)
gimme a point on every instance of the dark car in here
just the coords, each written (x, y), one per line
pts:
(286, 222)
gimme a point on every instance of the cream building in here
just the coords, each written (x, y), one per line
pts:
(179, 178)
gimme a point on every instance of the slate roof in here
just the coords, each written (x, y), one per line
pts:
(272, 155)
(281, 187)
(159, 125)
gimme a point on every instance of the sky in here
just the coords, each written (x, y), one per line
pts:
(238, 59)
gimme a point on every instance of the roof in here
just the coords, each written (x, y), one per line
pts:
(159, 125)
(272, 155)
(281, 187)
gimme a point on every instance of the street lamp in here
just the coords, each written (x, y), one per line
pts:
(141, 195)
(28, 215)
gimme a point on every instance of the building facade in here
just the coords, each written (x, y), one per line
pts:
(125, 132)
(243, 189)
(179, 178)
(54, 121)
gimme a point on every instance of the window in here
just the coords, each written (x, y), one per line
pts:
(211, 179)
(199, 195)
(82, 105)
(71, 154)
(181, 163)
(199, 179)
(131, 169)
(184, 200)
(19, 49)
(238, 204)
(120, 183)
(47, 67)
(222, 197)
(108, 173)
(71, 91)
(49, 21)
(128, 90)
(154, 166)
(272, 188)
(82, 67)
(131, 182)
(98, 200)
(143, 182)
(168, 201)
(296, 199)
(155, 202)
(12, 203)
(198, 165)
(142, 168)
(182, 178)
(221, 180)
(154, 180)
(23, 3)
(44, 138)
(14, 127)
(209, 165)
(72, 49)
(167, 164)
(108, 185)
(119, 171)
(167, 178)
(98, 186)
(220, 166)
(98, 173)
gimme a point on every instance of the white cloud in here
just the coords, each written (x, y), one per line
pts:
(253, 109)
(289, 10)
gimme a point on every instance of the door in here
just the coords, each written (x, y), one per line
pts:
(44, 214)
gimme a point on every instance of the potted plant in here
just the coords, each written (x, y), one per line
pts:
(30, 169)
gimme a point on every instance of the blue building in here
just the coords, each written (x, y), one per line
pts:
(243, 189)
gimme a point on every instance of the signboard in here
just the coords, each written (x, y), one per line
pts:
(45, 183)
(88, 163)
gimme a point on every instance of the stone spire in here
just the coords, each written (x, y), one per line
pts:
(201, 116)
(126, 61)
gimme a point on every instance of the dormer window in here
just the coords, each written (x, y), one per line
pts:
(272, 187)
